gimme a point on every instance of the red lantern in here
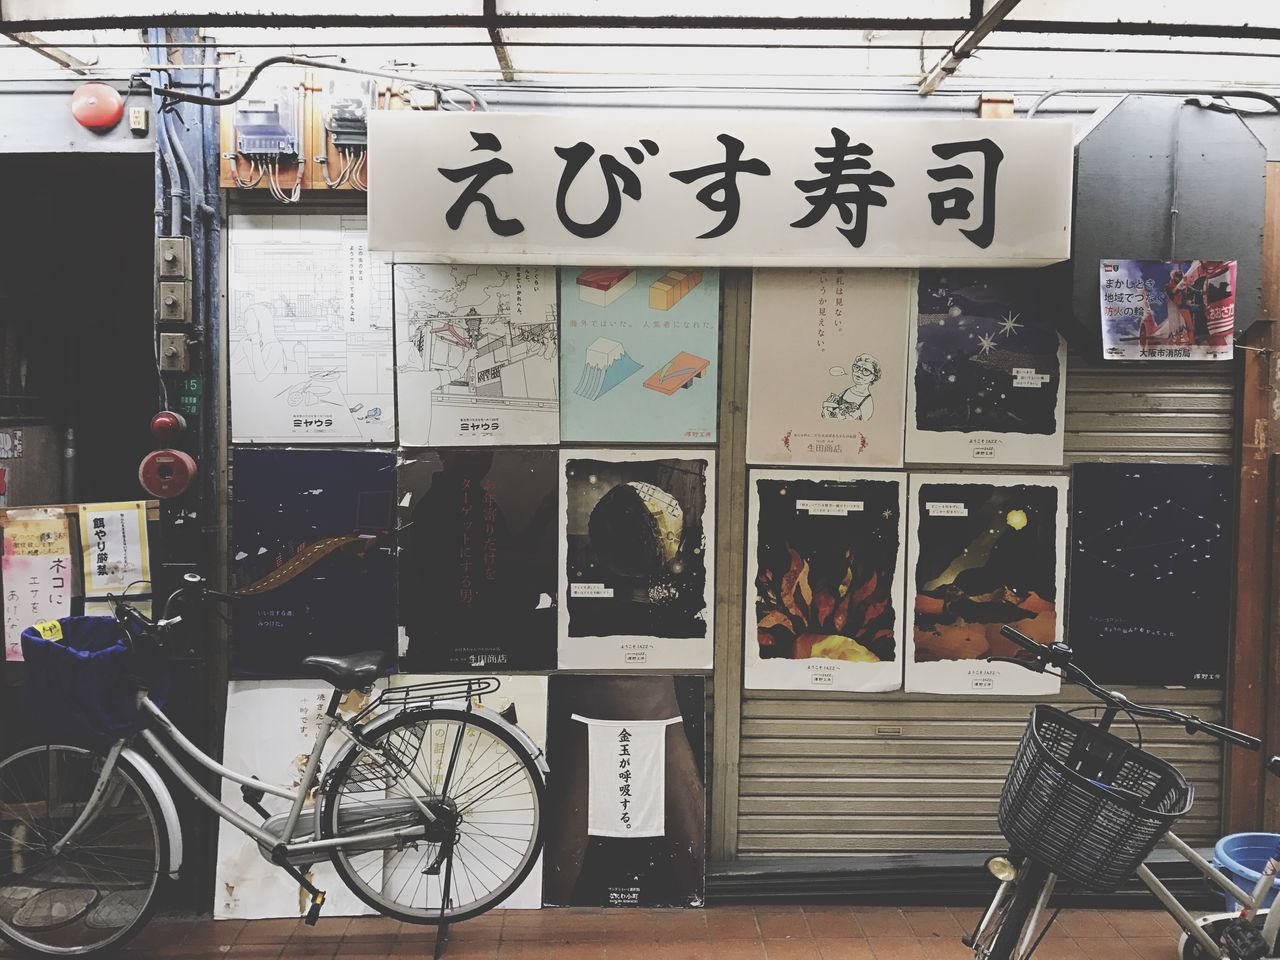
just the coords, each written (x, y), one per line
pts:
(97, 106)
(167, 426)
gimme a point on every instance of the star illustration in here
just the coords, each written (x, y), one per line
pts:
(988, 344)
(888, 514)
(1009, 323)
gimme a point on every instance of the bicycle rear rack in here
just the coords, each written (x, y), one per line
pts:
(427, 694)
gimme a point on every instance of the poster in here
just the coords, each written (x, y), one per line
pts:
(984, 552)
(827, 556)
(478, 582)
(35, 572)
(828, 366)
(477, 355)
(270, 729)
(637, 532)
(989, 371)
(1167, 309)
(309, 311)
(612, 865)
(115, 552)
(313, 548)
(641, 354)
(527, 696)
(1151, 562)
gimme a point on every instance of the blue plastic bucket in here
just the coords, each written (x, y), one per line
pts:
(1241, 856)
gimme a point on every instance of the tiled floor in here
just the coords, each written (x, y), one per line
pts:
(718, 933)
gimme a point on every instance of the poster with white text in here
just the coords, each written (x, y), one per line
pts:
(1167, 309)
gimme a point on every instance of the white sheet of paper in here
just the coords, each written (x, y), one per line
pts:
(36, 573)
(627, 766)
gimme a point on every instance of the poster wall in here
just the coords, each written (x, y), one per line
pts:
(626, 797)
(989, 371)
(477, 565)
(984, 552)
(637, 579)
(309, 311)
(828, 366)
(827, 552)
(35, 572)
(477, 355)
(313, 547)
(1167, 309)
(1151, 562)
(640, 361)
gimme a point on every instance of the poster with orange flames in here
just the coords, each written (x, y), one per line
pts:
(984, 552)
(829, 569)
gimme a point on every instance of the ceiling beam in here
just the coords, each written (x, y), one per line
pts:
(50, 52)
(963, 48)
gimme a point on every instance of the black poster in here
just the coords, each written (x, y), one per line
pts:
(589, 860)
(313, 548)
(1150, 597)
(478, 574)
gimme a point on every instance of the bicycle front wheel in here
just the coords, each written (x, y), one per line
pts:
(98, 890)
(483, 790)
(1001, 938)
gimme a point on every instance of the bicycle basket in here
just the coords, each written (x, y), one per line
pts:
(83, 687)
(1061, 803)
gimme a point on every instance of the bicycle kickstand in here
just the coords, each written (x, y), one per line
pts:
(442, 928)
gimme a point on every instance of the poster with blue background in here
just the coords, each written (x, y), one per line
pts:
(1167, 310)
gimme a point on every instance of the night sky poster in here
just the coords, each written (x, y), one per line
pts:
(478, 577)
(1151, 561)
(984, 552)
(637, 528)
(989, 378)
(827, 553)
(313, 548)
(653, 760)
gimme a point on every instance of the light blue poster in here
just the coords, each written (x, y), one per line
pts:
(639, 360)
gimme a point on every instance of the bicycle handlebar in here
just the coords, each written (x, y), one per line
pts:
(194, 586)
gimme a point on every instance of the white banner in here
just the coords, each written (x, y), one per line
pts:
(627, 761)
(741, 188)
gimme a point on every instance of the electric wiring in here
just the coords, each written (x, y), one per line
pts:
(359, 178)
(343, 174)
(253, 168)
(273, 184)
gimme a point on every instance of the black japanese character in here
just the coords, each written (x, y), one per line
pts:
(847, 183)
(618, 180)
(953, 204)
(480, 174)
(721, 195)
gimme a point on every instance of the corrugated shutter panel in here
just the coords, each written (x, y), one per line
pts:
(824, 774)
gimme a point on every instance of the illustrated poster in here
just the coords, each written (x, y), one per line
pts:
(271, 727)
(828, 366)
(309, 311)
(1151, 561)
(636, 563)
(989, 371)
(478, 580)
(985, 552)
(640, 359)
(35, 572)
(313, 548)
(1167, 309)
(115, 551)
(587, 865)
(829, 555)
(477, 355)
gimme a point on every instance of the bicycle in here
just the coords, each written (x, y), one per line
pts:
(430, 813)
(1082, 805)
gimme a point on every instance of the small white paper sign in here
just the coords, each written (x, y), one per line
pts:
(942, 509)
(829, 508)
(590, 590)
(627, 764)
(1027, 377)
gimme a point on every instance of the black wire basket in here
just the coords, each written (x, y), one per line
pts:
(1085, 803)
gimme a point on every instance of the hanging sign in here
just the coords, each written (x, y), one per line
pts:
(113, 537)
(36, 570)
(733, 188)
(627, 760)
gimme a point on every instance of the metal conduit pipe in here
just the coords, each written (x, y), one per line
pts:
(1271, 101)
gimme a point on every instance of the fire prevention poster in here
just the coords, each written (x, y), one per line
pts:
(1167, 309)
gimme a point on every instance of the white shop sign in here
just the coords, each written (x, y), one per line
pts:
(739, 188)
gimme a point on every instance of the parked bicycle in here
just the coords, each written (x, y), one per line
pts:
(430, 813)
(1083, 806)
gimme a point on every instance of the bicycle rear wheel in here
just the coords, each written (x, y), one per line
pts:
(99, 890)
(480, 783)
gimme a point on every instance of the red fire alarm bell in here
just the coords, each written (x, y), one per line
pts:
(97, 106)
(167, 473)
(167, 426)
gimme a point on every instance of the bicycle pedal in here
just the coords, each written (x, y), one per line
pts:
(1243, 941)
(313, 914)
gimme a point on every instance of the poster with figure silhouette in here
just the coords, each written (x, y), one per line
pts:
(1167, 309)
(826, 552)
(477, 354)
(309, 331)
(626, 795)
(828, 366)
(478, 581)
(989, 369)
(640, 360)
(984, 552)
(636, 572)
(313, 553)
(1151, 561)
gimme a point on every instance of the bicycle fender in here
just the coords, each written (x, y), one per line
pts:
(164, 799)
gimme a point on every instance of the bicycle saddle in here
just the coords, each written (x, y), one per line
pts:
(351, 672)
